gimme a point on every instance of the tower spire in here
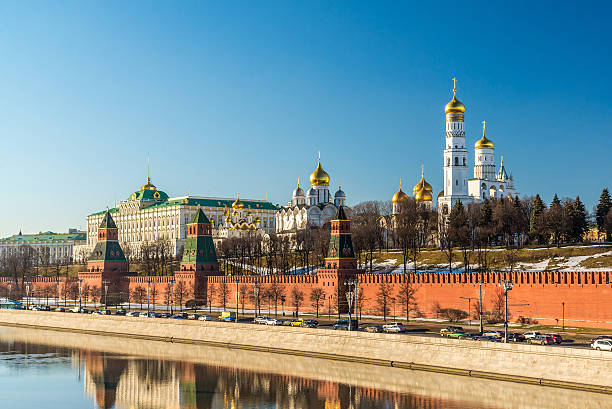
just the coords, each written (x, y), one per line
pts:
(148, 170)
(400, 183)
(422, 171)
(454, 86)
(484, 126)
(298, 181)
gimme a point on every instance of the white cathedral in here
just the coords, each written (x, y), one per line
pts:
(487, 181)
(315, 208)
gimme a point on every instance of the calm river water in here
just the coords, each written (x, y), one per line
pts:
(45, 369)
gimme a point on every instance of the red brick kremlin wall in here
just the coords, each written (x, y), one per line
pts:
(536, 295)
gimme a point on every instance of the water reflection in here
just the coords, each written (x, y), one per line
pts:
(184, 376)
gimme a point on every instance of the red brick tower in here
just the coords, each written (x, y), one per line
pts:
(340, 263)
(107, 256)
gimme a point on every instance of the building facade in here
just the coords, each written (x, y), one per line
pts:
(487, 181)
(148, 215)
(49, 247)
(313, 208)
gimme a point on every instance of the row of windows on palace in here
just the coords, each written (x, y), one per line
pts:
(54, 250)
(267, 222)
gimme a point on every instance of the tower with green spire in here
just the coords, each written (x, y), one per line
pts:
(107, 256)
(199, 254)
(340, 264)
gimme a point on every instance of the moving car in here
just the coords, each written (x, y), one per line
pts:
(193, 316)
(468, 335)
(297, 323)
(602, 344)
(343, 325)
(165, 315)
(260, 320)
(456, 334)
(79, 310)
(516, 337)
(149, 314)
(531, 334)
(495, 334)
(132, 314)
(273, 321)
(205, 318)
(556, 337)
(541, 340)
(395, 327)
(449, 329)
(374, 328)
(121, 312)
(310, 323)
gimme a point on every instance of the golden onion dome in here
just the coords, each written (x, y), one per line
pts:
(149, 185)
(238, 204)
(423, 195)
(319, 177)
(454, 106)
(399, 196)
(484, 143)
(422, 185)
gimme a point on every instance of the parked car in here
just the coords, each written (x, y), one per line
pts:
(260, 320)
(374, 328)
(79, 310)
(35, 308)
(132, 314)
(468, 335)
(274, 321)
(343, 325)
(531, 334)
(603, 344)
(149, 314)
(495, 334)
(178, 317)
(193, 316)
(449, 329)
(395, 327)
(541, 340)
(165, 315)
(608, 337)
(489, 339)
(556, 337)
(230, 318)
(297, 323)
(45, 308)
(120, 312)
(204, 318)
(310, 323)
(456, 334)
(516, 337)
(59, 309)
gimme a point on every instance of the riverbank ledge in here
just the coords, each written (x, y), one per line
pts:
(570, 368)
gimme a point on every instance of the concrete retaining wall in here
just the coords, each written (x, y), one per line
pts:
(564, 367)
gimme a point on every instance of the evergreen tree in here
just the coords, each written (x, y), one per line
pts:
(578, 220)
(603, 207)
(486, 214)
(535, 220)
(555, 220)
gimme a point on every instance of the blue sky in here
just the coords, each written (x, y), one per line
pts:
(229, 97)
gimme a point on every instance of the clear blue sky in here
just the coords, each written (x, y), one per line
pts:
(229, 97)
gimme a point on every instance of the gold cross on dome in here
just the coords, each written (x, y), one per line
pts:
(484, 125)
(454, 84)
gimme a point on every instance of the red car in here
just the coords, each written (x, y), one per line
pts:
(556, 337)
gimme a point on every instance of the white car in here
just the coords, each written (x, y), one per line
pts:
(494, 334)
(531, 334)
(260, 320)
(204, 318)
(273, 321)
(394, 327)
(602, 344)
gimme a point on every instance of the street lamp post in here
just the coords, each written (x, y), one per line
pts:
(10, 290)
(171, 297)
(256, 293)
(80, 292)
(563, 317)
(469, 300)
(480, 283)
(283, 298)
(237, 281)
(507, 286)
(106, 283)
(350, 297)
(27, 283)
(148, 298)
(57, 283)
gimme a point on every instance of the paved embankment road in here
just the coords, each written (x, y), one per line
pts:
(563, 367)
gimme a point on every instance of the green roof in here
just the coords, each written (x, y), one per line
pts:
(108, 222)
(203, 202)
(199, 218)
(107, 251)
(148, 195)
(47, 236)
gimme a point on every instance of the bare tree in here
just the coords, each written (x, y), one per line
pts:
(211, 290)
(383, 296)
(181, 291)
(297, 297)
(317, 297)
(139, 295)
(406, 296)
(224, 292)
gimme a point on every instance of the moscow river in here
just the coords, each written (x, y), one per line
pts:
(46, 369)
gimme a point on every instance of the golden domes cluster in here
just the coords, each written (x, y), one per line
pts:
(422, 191)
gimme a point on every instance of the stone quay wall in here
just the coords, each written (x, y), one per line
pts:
(562, 367)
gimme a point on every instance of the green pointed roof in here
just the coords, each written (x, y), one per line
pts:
(108, 222)
(341, 214)
(199, 218)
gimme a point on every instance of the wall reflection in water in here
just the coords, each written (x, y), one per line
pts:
(120, 381)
